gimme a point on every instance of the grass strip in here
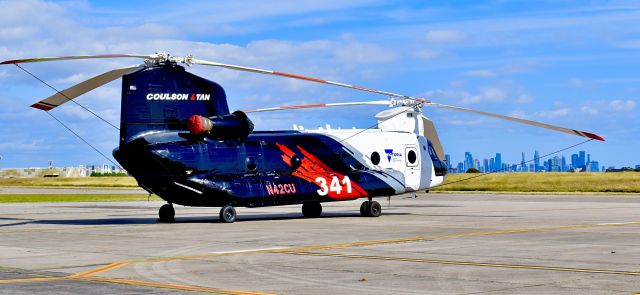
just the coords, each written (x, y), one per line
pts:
(35, 198)
(625, 182)
(111, 182)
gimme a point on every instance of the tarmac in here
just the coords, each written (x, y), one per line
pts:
(434, 244)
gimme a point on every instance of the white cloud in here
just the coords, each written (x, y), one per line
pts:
(426, 54)
(445, 36)
(494, 94)
(485, 73)
(589, 110)
(363, 53)
(622, 105)
(524, 98)
(578, 83)
(554, 114)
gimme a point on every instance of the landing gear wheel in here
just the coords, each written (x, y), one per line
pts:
(311, 210)
(364, 209)
(227, 214)
(374, 209)
(166, 213)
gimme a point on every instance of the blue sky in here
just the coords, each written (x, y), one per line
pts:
(569, 63)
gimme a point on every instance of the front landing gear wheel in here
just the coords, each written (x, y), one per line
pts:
(311, 210)
(364, 209)
(166, 213)
(227, 214)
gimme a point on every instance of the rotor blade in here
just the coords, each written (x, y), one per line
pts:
(321, 105)
(27, 60)
(74, 91)
(514, 119)
(295, 76)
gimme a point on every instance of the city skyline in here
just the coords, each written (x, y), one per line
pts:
(555, 162)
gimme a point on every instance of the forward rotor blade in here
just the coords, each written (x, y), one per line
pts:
(523, 121)
(295, 76)
(321, 105)
(41, 59)
(74, 91)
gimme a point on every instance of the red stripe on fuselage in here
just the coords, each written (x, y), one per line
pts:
(311, 168)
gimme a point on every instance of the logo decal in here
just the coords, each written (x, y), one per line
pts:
(332, 184)
(391, 154)
(178, 96)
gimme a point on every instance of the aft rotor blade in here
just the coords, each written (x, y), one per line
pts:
(321, 105)
(295, 76)
(41, 59)
(523, 121)
(74, 91)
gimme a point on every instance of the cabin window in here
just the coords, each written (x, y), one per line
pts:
(412, 157)
(375, 158)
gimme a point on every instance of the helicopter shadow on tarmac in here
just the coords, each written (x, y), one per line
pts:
(183, 220)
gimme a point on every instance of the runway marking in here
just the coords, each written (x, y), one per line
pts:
(248, 250)
(380, 242)
(28, 280)
(98, 270)
(173, 286)
(484, 264)
(471, 234)
(89, 275)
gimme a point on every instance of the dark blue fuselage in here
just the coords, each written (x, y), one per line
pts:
(193, 171)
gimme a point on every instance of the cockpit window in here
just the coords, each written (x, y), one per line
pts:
(439, 167)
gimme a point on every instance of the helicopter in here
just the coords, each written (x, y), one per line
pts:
(179, 140)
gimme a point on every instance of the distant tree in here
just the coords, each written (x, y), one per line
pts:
(473, 170)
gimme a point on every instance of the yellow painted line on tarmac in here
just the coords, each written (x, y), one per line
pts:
(98, 270)
(29, 280)
(460, 235)
(467, 263)
(173, 286)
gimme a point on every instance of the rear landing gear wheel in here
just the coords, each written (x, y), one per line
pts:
(370, 209)
(227, 214)
(166, 213)
(374, 209)
(311, 210)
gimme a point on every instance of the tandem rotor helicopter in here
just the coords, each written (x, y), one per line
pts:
(180, 142)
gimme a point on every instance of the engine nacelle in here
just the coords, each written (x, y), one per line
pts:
(236, 126)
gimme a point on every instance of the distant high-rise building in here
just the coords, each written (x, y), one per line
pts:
(582, 160)
(575, 161)
(468, 161)
(461, 167)
(485, 166)
(498, 164)
(523, 164)
(563, 164)
(536, 161)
